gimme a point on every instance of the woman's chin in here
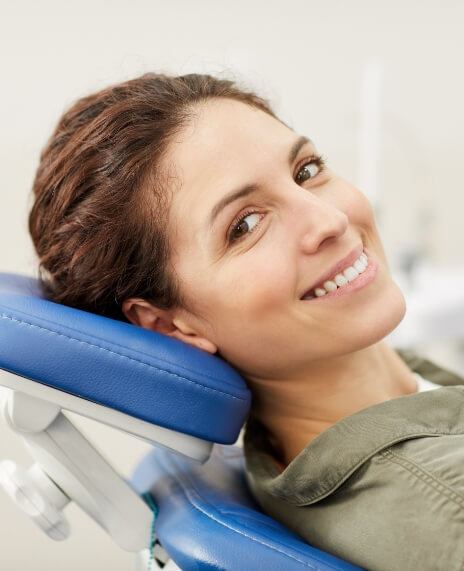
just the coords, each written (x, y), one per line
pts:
(386, 315)
(375, 320)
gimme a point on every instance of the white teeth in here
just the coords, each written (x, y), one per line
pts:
(319, 292)
(348, 275)
(340, 280)
(330, 285)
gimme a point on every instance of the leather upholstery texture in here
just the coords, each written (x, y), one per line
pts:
(207, 519)
(142, 373)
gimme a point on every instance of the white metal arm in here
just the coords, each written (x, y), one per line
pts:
(68, 468)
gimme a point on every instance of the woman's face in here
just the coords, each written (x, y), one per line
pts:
(244, 264)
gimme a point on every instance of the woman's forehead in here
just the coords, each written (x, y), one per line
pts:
(225, 141)
(224, 129)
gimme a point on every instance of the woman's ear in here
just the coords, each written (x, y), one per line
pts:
(141, 312)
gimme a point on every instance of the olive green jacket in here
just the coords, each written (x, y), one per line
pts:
(382, 488)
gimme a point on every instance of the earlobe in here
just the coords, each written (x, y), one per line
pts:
(194, 340)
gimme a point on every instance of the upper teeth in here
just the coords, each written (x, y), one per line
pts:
(341, 279)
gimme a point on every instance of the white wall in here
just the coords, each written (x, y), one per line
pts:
(309, 58)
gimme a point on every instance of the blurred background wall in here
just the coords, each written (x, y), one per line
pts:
(377, 85)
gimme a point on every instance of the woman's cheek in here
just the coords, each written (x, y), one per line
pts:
(271, 284)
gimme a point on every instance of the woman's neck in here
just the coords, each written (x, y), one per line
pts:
(295, 411)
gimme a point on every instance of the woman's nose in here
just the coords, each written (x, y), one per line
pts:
(324, 223)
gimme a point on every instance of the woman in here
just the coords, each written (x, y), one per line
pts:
(185, 206)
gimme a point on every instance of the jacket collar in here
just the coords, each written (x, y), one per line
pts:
(338, 451)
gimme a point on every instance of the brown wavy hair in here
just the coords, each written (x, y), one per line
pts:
(99, 218)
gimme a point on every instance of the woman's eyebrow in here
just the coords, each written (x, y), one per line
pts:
(250, 188)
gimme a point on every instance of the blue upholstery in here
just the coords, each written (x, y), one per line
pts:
(207, 519)
(119, 365)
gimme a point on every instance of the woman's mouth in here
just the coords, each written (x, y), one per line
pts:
(352, 278)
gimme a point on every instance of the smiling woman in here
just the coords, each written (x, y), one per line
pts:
(185, 206)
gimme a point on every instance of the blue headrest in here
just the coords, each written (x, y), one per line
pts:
(122, 366)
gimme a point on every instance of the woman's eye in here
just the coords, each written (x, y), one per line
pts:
(310, 169)
(245, 225)
(250, 220)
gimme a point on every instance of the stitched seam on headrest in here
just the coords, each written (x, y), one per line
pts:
(122, 356)
(5, 307)
(250, 537)
(182, 476)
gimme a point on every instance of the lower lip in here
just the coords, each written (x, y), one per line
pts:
(360, 282)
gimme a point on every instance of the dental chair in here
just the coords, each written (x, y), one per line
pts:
(187, 505)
